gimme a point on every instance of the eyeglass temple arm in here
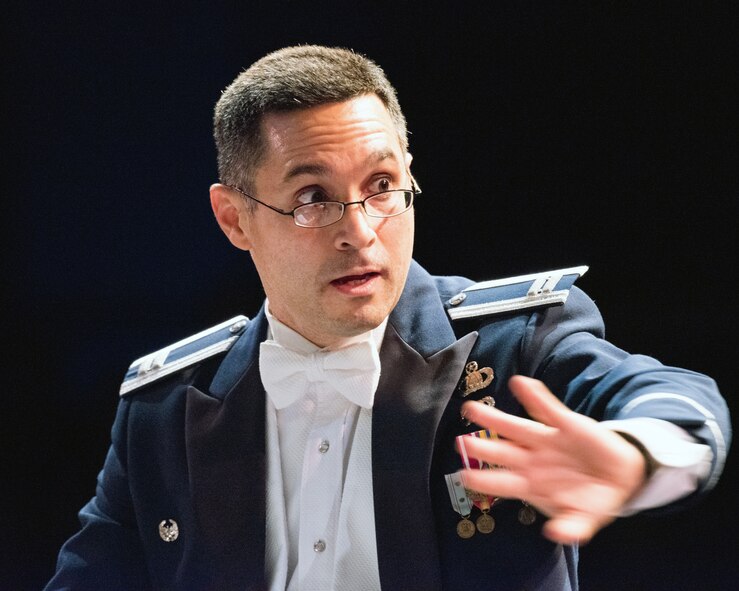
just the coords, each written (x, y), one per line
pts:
(414, 183)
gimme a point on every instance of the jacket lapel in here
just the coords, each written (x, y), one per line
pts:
(226, 459)
(421, 365)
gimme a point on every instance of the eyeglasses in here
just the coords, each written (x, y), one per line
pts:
(385, 204)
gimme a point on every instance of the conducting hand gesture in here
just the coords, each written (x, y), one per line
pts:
(577, 472)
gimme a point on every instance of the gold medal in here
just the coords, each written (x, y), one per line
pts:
(465, 528)
(526, 515)
(485, 523)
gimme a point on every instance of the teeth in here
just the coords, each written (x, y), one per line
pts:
(354, 281)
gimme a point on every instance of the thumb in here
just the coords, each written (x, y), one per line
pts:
(573, 528)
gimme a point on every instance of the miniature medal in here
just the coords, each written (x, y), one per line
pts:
(461, 505)
(485, 523)
(465, 528)
(476, 379)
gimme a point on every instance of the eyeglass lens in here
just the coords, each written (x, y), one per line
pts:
(385, 204)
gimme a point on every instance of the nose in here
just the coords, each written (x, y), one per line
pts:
(355, 230)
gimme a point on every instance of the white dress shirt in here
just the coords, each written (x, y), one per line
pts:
(678, 462)
(320, 505)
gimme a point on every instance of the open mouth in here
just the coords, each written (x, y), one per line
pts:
(352, 280)
(359, 285)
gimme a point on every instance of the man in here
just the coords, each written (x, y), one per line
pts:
(318, 446)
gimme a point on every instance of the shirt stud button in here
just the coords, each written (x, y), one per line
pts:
(323, 448)
(319, 546)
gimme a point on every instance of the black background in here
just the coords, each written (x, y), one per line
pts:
(544, 134)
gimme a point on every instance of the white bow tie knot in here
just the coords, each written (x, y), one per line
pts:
(352, 371)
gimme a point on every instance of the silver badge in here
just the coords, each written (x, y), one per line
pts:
(169, 531)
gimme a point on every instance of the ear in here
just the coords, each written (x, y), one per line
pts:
(408, 160)
(227, 204)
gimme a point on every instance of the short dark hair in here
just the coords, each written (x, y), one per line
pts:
(289, 79)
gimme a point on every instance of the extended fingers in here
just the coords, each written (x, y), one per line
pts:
(498, 483)
(564, 526)
(543, 406)
(492, 451)
(509, 426)
(539, 401)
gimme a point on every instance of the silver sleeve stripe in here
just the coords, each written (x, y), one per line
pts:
(710, 423)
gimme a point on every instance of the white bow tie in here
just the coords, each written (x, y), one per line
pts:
(352, 371)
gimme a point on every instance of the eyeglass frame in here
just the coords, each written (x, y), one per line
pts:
(414, 190)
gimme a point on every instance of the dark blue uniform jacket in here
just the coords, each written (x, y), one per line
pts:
(191, 447)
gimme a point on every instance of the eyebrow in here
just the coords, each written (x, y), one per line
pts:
(307, 168)
(314, 168)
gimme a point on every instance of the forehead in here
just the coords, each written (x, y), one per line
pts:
(356, 128)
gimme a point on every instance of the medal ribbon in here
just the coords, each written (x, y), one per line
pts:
(458, 495)
(480, 500)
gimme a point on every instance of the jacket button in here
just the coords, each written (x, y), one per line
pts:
(458, 299)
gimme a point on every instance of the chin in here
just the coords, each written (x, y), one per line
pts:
(360, 321)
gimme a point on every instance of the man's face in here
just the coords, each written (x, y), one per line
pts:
(343, 279)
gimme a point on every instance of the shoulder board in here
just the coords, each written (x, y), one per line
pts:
(501, 296)
(183, 354)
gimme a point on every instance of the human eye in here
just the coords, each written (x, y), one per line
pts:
(381, 184)
(312, 195)
(315, 209)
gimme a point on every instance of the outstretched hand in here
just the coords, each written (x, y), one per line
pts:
(577, 472)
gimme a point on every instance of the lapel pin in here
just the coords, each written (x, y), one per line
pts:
(169, 531)
(476, 379)
(488, 401)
